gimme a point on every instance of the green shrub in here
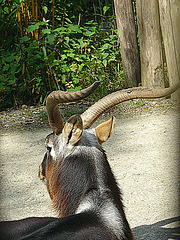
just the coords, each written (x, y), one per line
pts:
(69, 57)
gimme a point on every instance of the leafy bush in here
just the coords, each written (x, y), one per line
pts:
(68, 57)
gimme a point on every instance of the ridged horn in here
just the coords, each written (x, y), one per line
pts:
(56, 97)
(93, 112)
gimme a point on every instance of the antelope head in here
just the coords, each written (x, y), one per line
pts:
(76, 132)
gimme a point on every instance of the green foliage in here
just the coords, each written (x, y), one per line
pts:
(137, 103)
(68, 56)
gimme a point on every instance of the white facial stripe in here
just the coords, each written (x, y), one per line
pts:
(52, 153)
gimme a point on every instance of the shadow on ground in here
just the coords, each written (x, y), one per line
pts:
(159, 230)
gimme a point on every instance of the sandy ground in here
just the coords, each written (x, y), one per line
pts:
(143, 153)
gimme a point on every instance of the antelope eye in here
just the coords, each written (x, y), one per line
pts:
(49, 148)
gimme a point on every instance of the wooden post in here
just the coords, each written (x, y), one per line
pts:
(170, 25)
(128, 41)
(151, 55)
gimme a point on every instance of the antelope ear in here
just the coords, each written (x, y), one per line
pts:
(104, 130)
(72, 130)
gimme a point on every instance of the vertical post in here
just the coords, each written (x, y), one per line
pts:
(128, 41)
(170, 25)
(151, 54)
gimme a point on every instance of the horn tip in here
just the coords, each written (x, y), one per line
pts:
(97, 83)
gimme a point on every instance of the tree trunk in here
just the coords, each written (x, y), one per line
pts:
(170, 25)
(152, 67)
(128, 41)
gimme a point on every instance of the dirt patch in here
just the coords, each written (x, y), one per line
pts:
(31, 117)
(143, 153)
